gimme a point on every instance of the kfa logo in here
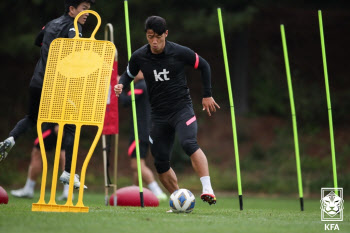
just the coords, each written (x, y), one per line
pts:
(330, 227)
(332, 206)
(158, 76)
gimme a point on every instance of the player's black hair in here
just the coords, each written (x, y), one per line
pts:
(156, 23)
(75, 4)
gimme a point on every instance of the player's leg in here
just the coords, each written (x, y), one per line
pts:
(68, 141)
(161, 139)
(50, 144)
(186, 129)
(50, 141)
(169, 180)
(35, 166)
(133, 160)
(200, 165)
(34, 171)
(147, 174)
(65, 191)
(23, 125)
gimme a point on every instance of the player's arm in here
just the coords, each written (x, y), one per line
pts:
(39, 38)
(128, 76)
(193, 59)
(208, 101)
(71, 30)
(139, 90)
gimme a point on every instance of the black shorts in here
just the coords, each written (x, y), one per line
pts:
(163, 130)
(49, 136)
(143, 146)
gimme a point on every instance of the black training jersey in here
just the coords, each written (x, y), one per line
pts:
(62, 27)
(165, 75)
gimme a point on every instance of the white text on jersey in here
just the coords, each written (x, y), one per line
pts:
(164, 73)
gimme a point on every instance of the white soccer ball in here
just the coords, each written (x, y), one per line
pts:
(182, 201)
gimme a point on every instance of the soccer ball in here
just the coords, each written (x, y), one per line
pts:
(182, 201)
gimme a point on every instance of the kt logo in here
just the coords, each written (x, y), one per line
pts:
(158, 76)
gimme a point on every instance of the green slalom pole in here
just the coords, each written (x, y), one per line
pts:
(133, 105)
(232, 110)
(295, 129)
(328, 102)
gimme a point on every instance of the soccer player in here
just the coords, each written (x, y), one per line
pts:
(143, 110)
(163, 65)
(62, 27)
(50, 138)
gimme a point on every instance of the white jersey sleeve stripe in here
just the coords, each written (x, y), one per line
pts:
(129, 73)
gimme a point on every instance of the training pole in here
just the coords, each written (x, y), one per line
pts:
(328, 102)
(294, 118)
(232, 111)
(104, 156)
(116, 146)
(133, 104)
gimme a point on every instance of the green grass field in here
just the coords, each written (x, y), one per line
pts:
(259, 215)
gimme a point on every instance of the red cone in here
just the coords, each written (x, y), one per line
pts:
(130, 196)
(4, 198)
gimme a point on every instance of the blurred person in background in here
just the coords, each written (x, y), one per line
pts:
(62, 27)
(35, 167)
(143, 111)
